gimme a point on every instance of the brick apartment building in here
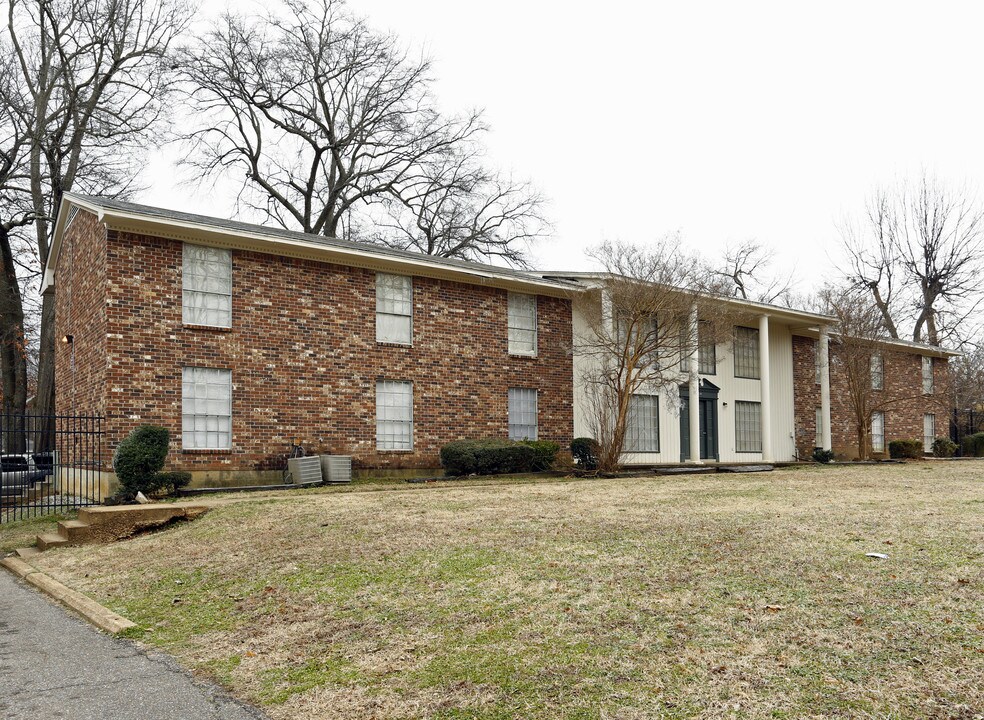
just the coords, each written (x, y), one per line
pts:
(241, 339)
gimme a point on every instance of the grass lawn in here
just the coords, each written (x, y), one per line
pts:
(745, 596)
(22, 533)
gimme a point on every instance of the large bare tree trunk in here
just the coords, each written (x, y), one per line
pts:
(13, 351)
(45, 400)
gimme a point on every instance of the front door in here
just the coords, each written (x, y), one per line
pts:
(708, 422)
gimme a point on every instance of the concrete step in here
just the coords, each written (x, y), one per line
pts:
(50, 540)
(75, 531)
(27, 553)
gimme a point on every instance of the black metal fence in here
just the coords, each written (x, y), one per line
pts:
(49, 464)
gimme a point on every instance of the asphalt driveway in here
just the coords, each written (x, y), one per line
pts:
(53, 665)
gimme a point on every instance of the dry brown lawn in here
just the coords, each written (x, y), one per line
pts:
(745, 596)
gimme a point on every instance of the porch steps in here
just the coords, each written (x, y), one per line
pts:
(106, 524)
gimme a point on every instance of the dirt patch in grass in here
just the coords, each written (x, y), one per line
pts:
(706, 596)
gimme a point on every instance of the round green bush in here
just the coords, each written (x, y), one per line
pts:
(944, 448)
(138, 460)
(585, 452)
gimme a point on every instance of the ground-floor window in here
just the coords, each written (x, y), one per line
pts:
(878, 432)
(748, 426)
(929, 432)
(394, 415)
(522, 414)
(206, 409)
(642, 429)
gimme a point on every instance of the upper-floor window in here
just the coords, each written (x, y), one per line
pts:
(522, 414)
(706, 349)
(747, 353)
(642, 429)
(206, 409)
(206, 282)
(522, 324)
(394, 309)
(927, 374)
(877, 372)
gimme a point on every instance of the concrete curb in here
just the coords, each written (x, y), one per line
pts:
(102, 617)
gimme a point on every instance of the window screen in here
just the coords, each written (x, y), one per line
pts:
(747, 353)
(877, 372)
(878, 432)
(706, 350)
(522, 324)
(394, 415)
(522, 414)
(206, 409)
(748, 426)
(929, 432)
(927, 374)
(642, 430)
(206, 280)
(394, 309)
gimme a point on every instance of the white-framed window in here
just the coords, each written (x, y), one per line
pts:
(878, 431)
(522, 324)
(394, 415)
(748, 426)
(642, 429)
(747, 353)
(394, 309)
(929, 432)
(877, 371)
(927, 375)
(706, 349)
(206, 409)
(818, 438)
(522, 414)
(206, 286)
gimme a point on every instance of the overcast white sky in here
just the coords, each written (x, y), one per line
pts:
(721, 120)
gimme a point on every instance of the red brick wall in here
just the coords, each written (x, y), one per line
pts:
(901, 399)
(80, 311)
(305, 361)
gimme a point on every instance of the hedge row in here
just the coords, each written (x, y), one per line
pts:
(493, 457)
(973, 445)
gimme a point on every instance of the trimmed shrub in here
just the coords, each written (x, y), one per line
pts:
(911, 449)
(973, 445)
(545, 453)
(486, 457)
(585, 452)
(822, 456)
(944, 448)
(138, 462)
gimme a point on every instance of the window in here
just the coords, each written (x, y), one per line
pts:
(877, 372)
(878, 432)
(748, 426)
(747, 353)
(927, 375)
(394, 309)
(206, 281)
(394, 415)
(206, 409)
(706, 351)
(818, 438)
(522, 324)
(645, 336)
(817, 368)
(522, 414)
(642, 430)
(929, 432)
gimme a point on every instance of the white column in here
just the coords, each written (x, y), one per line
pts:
(824, 348)
(766, 388)
(694, 383)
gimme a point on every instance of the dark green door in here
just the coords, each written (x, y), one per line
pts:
(707, 405)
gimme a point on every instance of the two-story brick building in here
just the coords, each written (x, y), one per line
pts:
(241, 339)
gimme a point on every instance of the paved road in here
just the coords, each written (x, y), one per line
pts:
(53, 665)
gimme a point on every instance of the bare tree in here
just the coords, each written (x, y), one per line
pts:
(918, 256)
(746, 274)
(96, 74)
(316, 112)
(459, 208)
(637, 329)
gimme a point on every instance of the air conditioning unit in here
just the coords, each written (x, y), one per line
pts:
(304, 470)
(336, 468)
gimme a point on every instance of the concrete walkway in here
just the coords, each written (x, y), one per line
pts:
(53, 665)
